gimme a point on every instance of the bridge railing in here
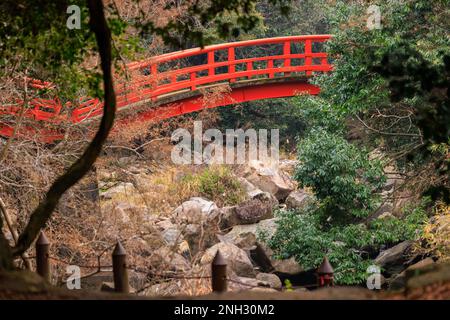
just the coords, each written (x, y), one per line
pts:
(181, 71)
(148, 82)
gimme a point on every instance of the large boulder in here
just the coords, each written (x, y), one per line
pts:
(245, 236)
(270, 278)
(269, 179)
(200, 237)
(170, 232)
(399, 281)
(286, 266)
(288, 166)
(236, 258)
(259, 207)
(393, 260)
(298, 199)
(196, 210)
(168, 260)
(248, 212)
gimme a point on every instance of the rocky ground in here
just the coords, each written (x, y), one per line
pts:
(176, 240)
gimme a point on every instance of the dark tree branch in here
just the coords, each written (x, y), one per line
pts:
(43, 212)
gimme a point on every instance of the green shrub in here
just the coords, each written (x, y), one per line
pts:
(217, 183)
(340, 174)
(302, 235)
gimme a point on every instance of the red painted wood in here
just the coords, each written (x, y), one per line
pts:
(148, 82)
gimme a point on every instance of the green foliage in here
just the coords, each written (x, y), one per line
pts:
(340, 174)
(218, 184)
(302, 234)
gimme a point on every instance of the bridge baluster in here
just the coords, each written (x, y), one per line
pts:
(211, 70)
(270, 66)
(308, 53)
(249, 68)
(287, 52)
(154, 75)
(193, 77)
(231, 66)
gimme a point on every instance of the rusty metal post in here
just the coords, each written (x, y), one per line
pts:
(219, 273)
(120, 271)
(42, 261)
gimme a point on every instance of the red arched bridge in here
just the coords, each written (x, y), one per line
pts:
(186, 81)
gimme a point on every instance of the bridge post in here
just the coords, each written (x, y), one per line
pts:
(308, 58)
(193, 77)
(270, 66)
(211, 70)
(231, 66)
(249, 68)
(154, 80)
(287, 52)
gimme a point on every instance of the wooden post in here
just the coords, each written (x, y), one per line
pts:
(193, 77)
(219, 273)
(249, 68)
(270, 66)
(211, 69)
(286, 52)
(232, 66)
(42, 261)
(308, 58)
(120, 270)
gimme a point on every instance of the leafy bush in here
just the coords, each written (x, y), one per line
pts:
(302, 235)
(340, 174)
(435, 238)
(217, 183)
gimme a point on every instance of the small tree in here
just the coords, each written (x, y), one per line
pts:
(340, 174)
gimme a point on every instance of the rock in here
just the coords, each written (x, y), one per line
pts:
(298, 199)
(248, 212)
(121, 188)
(399, 281)
(237, 259)
(429, 279)
(385, 208)
(393, 259)
(270, 180)
(249, 187)
(124, 161)
(170, 233)
(262, 289)
(288, 166)
(245, 236)
(270, 278)
(163, 289)
(265, 197)
(199, 237)
(165, 259)
(245, 283)
(196, 210)
(287, 266)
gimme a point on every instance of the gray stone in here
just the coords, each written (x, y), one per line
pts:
(269, 179)
(298, 199)
(270, 278)
(393, 259)
(196, 210)
(287, 266)
(236, 258)
(248, 212)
